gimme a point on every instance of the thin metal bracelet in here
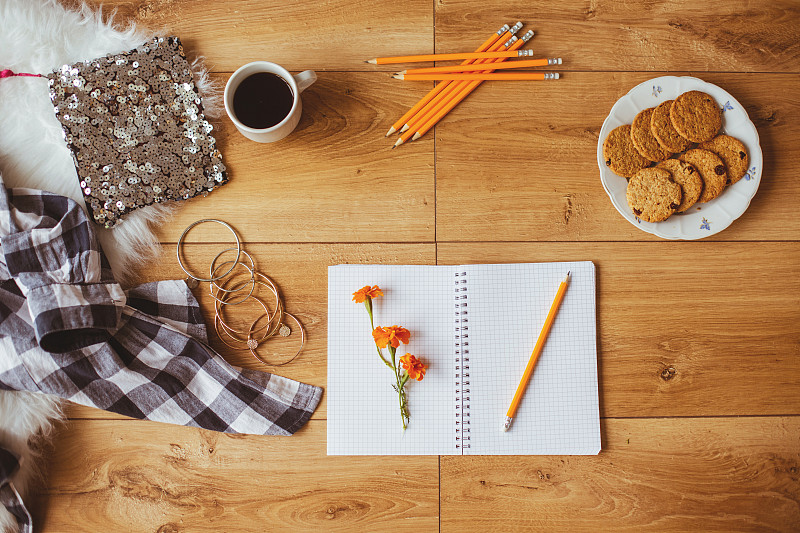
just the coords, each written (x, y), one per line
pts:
(255, 354)
(227, 292)
(214, 267)
(183, 236)
(218, 321)
(273, 319)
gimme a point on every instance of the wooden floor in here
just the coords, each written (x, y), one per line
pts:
(699, 342)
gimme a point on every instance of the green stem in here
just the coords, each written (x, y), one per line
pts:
(401, 395)
(400, 382)
(368, 305)
(401, 391)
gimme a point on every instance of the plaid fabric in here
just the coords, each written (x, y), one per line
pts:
(68, 329)
(9, 497)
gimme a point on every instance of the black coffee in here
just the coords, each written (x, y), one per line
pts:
(262, 100)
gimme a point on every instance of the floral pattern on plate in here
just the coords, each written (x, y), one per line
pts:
(700, 220)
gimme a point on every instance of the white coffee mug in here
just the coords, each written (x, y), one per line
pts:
(297, 82)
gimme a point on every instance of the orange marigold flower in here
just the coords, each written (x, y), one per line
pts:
(361, 294)
(392, 335)
(413, 367)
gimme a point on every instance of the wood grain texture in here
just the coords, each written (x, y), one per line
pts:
(699, 349)
(696, 474)
(518, 163)
(335, 178)
(138, 476)
(684, 328)
(642, 35)
(324, 35)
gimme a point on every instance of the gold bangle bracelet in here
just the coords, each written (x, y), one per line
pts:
(254, 345)
(271, 317)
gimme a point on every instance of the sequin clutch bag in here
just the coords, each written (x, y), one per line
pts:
(134, 124)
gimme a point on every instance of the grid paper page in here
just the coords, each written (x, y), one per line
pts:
(559, 413)
(363, 409)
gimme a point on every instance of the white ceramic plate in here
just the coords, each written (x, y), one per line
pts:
(700, 220)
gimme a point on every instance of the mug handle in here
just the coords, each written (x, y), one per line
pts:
(305, 79)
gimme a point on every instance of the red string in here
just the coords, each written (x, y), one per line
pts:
(8, 74)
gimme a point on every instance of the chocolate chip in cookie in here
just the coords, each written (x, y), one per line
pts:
(620, 154)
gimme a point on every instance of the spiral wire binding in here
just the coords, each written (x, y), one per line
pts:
(462, 363)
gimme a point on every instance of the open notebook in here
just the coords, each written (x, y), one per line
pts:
(460, 405)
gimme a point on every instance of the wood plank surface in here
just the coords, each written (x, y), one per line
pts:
(334, 179)
(324, 35)
(655, 474)
(518, 163)
(133, 476)
(698, 343)
(643, 35)
(684, 328)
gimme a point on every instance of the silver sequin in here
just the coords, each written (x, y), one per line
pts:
(135, 126)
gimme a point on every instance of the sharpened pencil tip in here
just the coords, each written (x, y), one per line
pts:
(371, 61)
(416, 136)
(398, 143)
(404, 128)
(391, 130)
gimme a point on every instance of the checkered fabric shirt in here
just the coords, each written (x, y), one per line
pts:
(68, 329)
(9, 497)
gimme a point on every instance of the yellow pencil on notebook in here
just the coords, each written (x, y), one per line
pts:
(537, 351)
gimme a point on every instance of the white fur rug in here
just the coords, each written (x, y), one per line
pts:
(38, 36)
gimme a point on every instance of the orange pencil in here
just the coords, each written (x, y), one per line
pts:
(432, 110)
(466, 90)
(433, 107)
(474, 67)
(466, 87)
(448, 57)
(499, 76)
(448, 87)
(440, 86)
(537, 351)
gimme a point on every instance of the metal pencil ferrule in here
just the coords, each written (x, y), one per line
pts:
(551, 75)
(516, 27)
(511, 41)
(528, 36)
(525, 53)
(554, 61)
(502, 30)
